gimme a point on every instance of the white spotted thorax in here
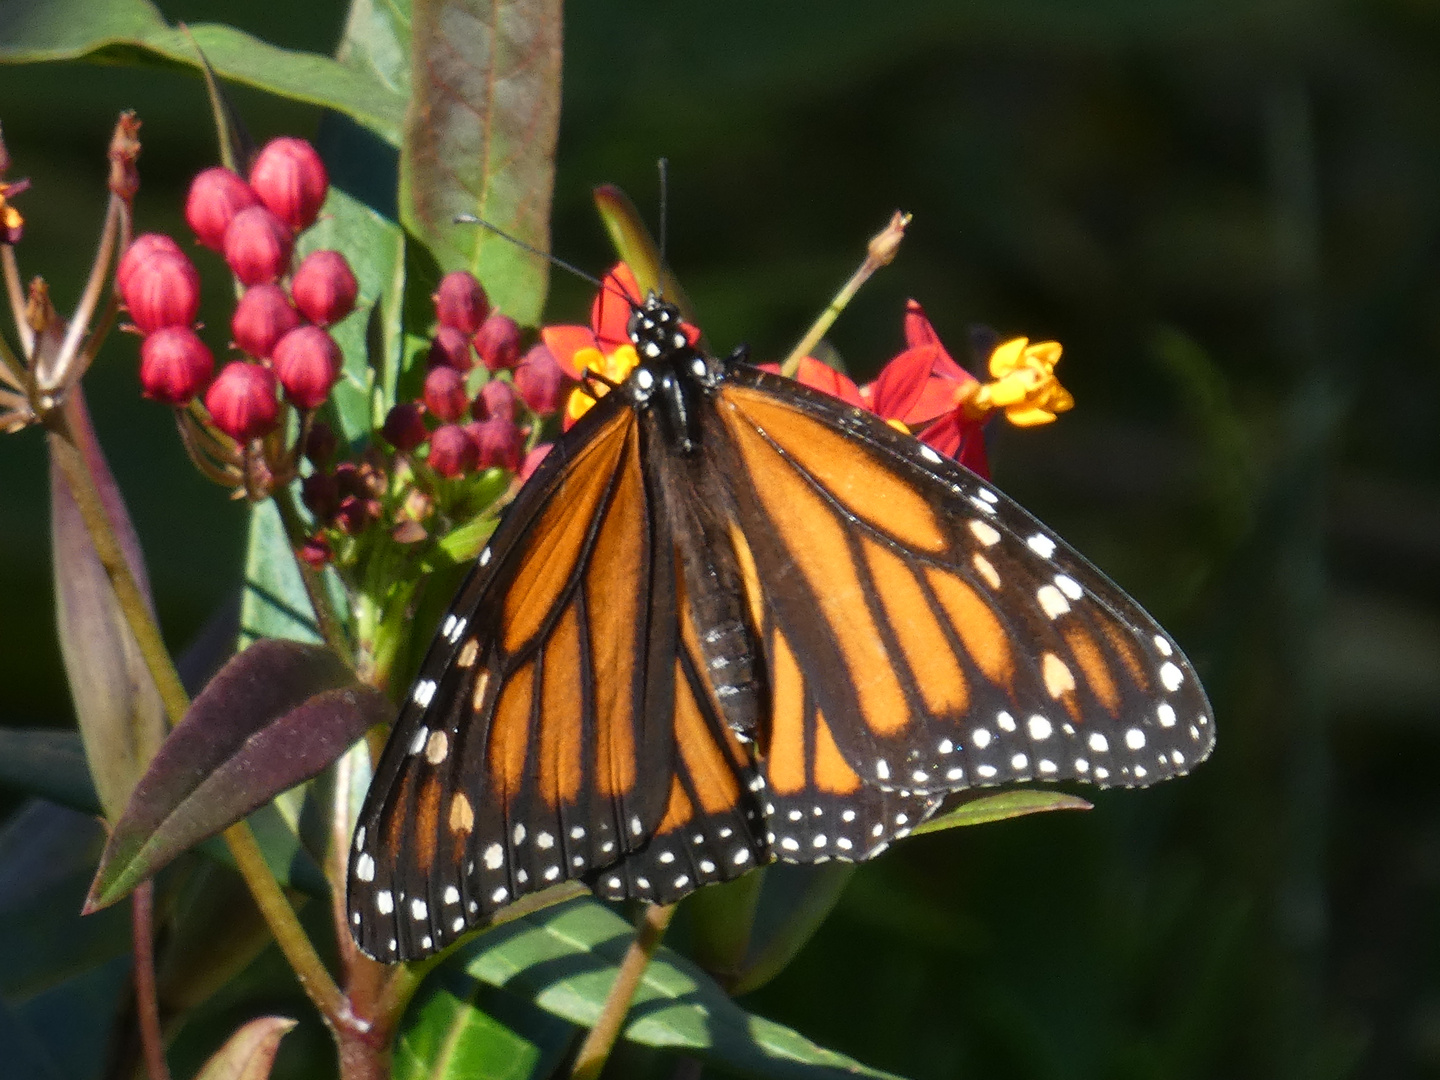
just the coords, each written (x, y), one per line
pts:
(796, 710)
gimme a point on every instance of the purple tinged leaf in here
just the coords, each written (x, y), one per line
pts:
(480, 139)
(250, 1052)
(274, 716)
(1001, 806)
(122, 720)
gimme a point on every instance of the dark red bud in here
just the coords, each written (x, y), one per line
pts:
(290, 179)
(532, 461)
(495, 400)
(307, 360)
(216, 196)
(175, 365)
(445, 394)
(541, 382)
(140, 251)
(351, 482)
(450, 348)
(242, 401)
(405, 427)
(262, 317)
(452, 451)
(321, 495)
(355, 513)
(315, 551)
(498, 342)
(320, 444)
(499, 443)
(460, 302)
(162, 290)
(324, 287)
(257, 246)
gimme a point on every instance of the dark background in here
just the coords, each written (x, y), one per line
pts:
(1229, 213)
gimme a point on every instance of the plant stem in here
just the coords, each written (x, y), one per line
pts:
(147, 1005)
(326, 618)
(15, 291)
(595, 1050)
(881, 252)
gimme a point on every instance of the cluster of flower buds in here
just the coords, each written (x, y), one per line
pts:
(280, 322)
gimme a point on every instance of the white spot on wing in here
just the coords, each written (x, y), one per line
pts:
(981, 738)
(365, 867)
(384, 902)
(1039, 728)
(1171, 676)
(983, 531)
(1051, 601)
(1041, 544)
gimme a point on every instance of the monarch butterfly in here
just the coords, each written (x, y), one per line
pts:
(731, 620)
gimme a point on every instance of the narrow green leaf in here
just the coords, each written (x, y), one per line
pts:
(250, 1052)
(564, 958)
(134, 32)
(1001, 807)
(632, 241)
(121, 718)
(480, 139)
(794, 903)
(275, 716)
(50, 764)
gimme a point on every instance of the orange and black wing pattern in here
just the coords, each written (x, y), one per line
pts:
(942, 637)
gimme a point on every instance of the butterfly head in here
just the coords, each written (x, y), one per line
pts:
(654, 328)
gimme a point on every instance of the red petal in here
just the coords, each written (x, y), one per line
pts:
(565, 341)
(827, 380)
(897, 388)
(963, 440)
(918, 330)
(770, 366)
(610, 313)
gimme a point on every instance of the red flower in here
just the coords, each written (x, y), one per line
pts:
(460, 302)
(405, 427)
(308, 362)
(175, 365)
(324, 287)
(445, 394)
(453, 451)
(290, 179)
(257, 246)
(242, 401)
(262, 317)
(498, 342)
(216, 196)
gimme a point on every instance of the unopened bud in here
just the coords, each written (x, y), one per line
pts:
(355, 513)
(321, 495)
(290, 179)
(450, 348)
(315, 551)
(452, 451)
(307, 361)
(257, 246)
(885, 244)
(175, 365)
(242, 401)
(320, 444)
(540, 381)
(140, 250)
(496, 400)
(445, 394)
(162, 290)
(460, 302)
(216, 196)
(324, 287)
(499, 443)
(404, 427)
(124, 152)
(498, 342)
(532, 461)
(262, 317)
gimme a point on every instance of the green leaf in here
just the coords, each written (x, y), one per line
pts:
(637, 248)
(121, 718)
(794, 903)
(376, 42)
(274, 716)
(564, 958)
(134, 32)
(48, 763)
(1002, 807)
(250, 1052)
(453, 1030)
(480, 139)
(274, 603)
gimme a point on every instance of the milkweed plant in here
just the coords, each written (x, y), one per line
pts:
(379, 391)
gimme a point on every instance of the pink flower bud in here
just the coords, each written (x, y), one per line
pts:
(498, 342)
(162, 289)
(495, 400)
(140, 250)
(315, 551)
(307, 360)
(405, 427)
(445, 394)
(262, 317)
(532, 461)
(216, 196)
(290, 179)
(175, 365)
(499, 443)
(355, 513)
(242, 401)
(452, 451)
(461, 302)
(320, 444)
(257, 246)
(321, 495)
(450, 348)
(324, 287)
(541, 382)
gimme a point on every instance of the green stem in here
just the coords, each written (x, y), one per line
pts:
(328, 620)
(147, 1004)
(595, 1050)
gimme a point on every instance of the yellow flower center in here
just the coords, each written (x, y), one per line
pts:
(615, 366)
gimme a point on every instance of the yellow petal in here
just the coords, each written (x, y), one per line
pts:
(1006, 356)
(1027, 416)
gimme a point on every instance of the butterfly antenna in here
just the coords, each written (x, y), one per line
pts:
(664, 166)
(471, 219)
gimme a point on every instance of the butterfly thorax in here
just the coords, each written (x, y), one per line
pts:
(672, 375)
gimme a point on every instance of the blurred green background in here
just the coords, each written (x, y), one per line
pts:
(1229, 213)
